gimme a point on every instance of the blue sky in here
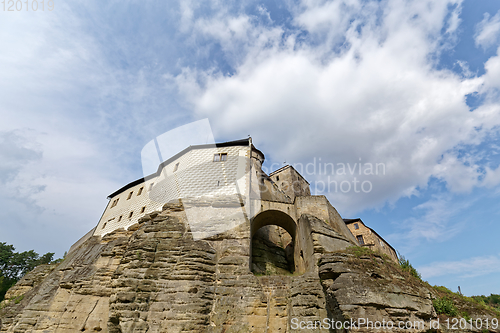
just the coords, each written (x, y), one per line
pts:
(412, 85)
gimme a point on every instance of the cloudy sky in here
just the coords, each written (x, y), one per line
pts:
(400, 97)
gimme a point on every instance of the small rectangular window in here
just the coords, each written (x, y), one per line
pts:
(360, 240)
(277, 178)
(140, 191)
(120, 218)
(115, 202)
(143, 209)
(176, 167)
(221, 157)
(104, 225)
(356, 226)
(130, 195)
(130, 215)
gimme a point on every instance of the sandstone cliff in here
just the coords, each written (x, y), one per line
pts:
(155, 278)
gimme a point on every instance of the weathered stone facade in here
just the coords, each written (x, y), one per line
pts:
(290, 182)
(366, 236)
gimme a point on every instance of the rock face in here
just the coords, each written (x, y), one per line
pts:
(272, 251)
(372, 287)
(155, 278)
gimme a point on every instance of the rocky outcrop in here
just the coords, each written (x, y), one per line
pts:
(372, 287)
(154, 277)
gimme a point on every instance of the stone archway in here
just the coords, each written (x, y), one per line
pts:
(278, 218)
(274, 217)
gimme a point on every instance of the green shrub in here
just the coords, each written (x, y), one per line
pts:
(445, 306)
(443, 289)
(407, 267)
(359, 251)
(465, 315)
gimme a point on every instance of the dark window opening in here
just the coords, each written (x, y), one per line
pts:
(360, 240)
(115, 203)
(356, 226)
(130, 215)
(143, 209)
(140, 191)
(130, 195)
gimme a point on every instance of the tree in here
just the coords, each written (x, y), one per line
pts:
(14, 265)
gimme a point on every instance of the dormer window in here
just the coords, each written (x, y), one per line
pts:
(221, 157)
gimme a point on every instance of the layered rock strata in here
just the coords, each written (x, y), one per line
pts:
(154, 277)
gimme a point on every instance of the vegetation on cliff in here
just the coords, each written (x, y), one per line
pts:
(14, 265)
(456, 305)
(493, 300)
(446, 303)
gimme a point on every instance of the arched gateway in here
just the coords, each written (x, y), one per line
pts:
(285, 221)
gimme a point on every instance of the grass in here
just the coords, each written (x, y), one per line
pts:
(359, 251)
(19, 299)
(445, 306)
(465, 305)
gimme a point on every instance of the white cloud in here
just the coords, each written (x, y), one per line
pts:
(492, 177)
(488, 30)
(466, 268)
(16, 150)
(377, 98)
(342, 80)
(492, 68)
(61, 150)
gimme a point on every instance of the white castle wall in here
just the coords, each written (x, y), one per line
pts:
(197, 175)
